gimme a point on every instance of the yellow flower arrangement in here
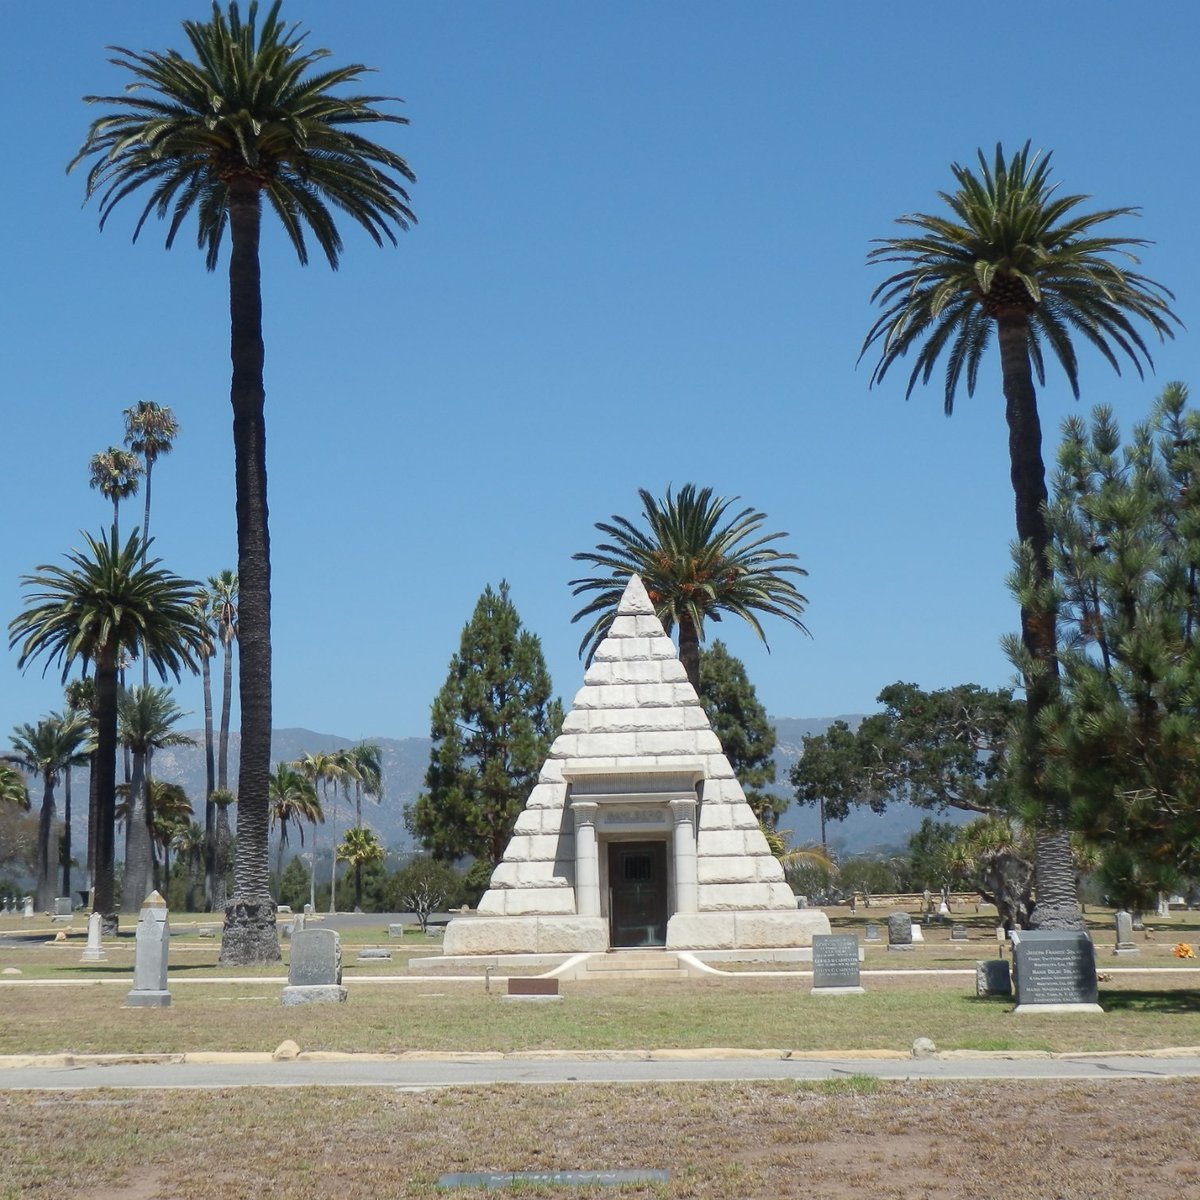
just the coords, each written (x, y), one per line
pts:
(1183, 950)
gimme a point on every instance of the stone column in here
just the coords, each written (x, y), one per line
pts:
(587, 860)
(683, 816)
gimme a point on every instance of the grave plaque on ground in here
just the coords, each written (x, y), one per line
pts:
(835, 965)
(992, 977)
(872, 932)
(315, 968)
(958, 933)
(1054, 970)
(94, 951)
(1125, 943)
(900, 929)
(150, 956)
(498, 1180)
(524, 987)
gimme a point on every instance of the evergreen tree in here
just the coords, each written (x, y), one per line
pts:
(746, 733)
(493, 722)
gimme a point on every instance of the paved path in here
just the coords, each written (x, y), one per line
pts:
(466, 1070)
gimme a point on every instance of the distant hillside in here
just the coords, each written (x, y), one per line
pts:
(405, 761)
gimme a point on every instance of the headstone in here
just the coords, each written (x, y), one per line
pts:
(835, 965)
(395, 931)
(374, 953)
(526, 988)
(917, 934)
(958, 933)
(308, 910)
(27, 907)
(283, 910)
(1125, 943)
(872, 932)
(150, 956)
(206, 931)
(299, 924)
(62, 908)
(943, 910)
(992, 977)
(1054, 970)
(7, 905)
(94, 951)
(315, 968)
(900, 931)
(801, 901)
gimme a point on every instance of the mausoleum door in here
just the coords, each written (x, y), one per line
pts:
(638, 890)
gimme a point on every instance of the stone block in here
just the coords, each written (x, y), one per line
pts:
(520, 848)
(551, 772)
(743, 817)
(734, 869)
(654, 670)
(780, 895)
(775, 929)
(769, 869)
(606, 744)
(701, 931)
(714, 816)
(650, 626)
(639, 720)
(544, 900)
(547, 795)
(755, 843)
(625, 626)
(652, 695)
(506, 874)
(626, 649)
(530, 821)
(576, 721)
(682, 741)
(314, 994)
(721, 897)
(491, 904)
(721, 842)
(525, 935)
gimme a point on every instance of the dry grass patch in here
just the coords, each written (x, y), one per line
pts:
(1028, 1141)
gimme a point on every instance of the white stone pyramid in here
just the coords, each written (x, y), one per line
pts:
(637, 765)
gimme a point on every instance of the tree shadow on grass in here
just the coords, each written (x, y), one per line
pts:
(1160, 1002)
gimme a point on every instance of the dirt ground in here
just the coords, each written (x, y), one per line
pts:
(831, 1141)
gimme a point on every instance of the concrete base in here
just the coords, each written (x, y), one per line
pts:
(93, 956)
(525, 935)
(1123, 950)
(837, 991)
(325, 993)
(905, 946)
(148, 1000)
(1058, 1008)
(740, 929)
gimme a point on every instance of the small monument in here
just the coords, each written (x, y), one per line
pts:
(835, 965)
(153, 940)
(872, 932)
(1125, 943)
(27, 907)
(900, 931)
(62, 908)
(958, 933)
(315, 968)
(95, 950)
(992, 978)
(1054, 970)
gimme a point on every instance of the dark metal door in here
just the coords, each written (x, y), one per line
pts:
(637, 877)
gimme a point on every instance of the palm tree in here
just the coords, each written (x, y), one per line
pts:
(222, 798)
(694, 567)
(189, 845)
(323, 769)
(367, 758)
(115, 473)
(107, 600)
(146, 719)
(170, 812)
(202, 601)
(360, 848)
(13, 788)
(249, 118)
(223, 598)
(1013, 255)
(293, 798)
(48, 749)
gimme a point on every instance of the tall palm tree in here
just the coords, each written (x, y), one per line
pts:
(202, 601)
(150, 431)
(106, 601)
(323, 769)
(189, 845)
(367, 776)
(293, 798)
(697, 562)
(223, 599)
(360, 848)
(1014, 256)
(115, 473)
(47, 749)
(222, 798)
(250, 117)
(146, 720)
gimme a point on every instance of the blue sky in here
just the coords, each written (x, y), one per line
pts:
(640, 262)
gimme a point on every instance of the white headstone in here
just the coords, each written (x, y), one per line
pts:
(95, 950)
(150, 956)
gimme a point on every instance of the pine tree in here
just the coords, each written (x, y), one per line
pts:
(493, 722)
(740, 721)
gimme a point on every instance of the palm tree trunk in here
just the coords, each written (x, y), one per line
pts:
(1057, 906)
(93, 820)
(138, 883)
(226, 707)
(210, 783)
(249, 936)
(145, 542)
(689, 650)
(66, 855)
(47, 866)
(106, 788)
(279, 852)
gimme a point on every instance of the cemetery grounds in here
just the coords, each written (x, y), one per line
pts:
(848, 1137)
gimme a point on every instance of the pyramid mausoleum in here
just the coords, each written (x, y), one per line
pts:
(637, 833)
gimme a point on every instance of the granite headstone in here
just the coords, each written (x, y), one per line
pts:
(315, 968)
(1055, 969)
(992, 977)
(151, 944)
(1125, 943)
(835, 964)
(900, 929)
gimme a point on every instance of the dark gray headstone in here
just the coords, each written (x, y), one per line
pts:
(1054, 966)
(316, 958)
(872, 932)
(992, 977)
(835, 961)
(900, 929)
(958, 933)
(62, 906)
